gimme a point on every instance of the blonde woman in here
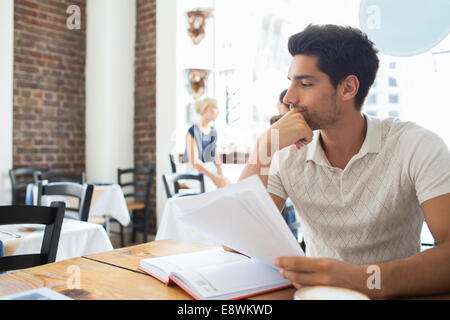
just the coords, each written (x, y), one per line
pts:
(201, 141)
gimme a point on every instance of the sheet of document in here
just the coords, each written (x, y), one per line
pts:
(242, 216)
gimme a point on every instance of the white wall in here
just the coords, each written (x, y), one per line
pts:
(166, 86)
(6, 96)
(111, 29)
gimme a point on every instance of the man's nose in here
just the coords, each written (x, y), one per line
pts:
(290, 99)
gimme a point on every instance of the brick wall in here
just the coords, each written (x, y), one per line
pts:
(145, 90)
(49, 86)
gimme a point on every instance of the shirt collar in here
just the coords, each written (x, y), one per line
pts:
(371, 144)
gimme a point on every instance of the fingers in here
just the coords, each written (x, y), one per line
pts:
(303, 278)
(305, 270)
(307, 264)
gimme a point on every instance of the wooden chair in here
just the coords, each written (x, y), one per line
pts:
(171, 179)
(82, 192)
(56, 176)
(20, 178)
(51, 216)
(141, 184)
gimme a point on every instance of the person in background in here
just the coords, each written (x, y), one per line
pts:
(282, 107)
(201, 142)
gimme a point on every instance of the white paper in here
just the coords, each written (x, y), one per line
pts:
(242, 216)
(235, 279)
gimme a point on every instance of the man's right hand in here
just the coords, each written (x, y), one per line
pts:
(292, 129)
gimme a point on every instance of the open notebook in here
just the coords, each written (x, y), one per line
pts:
(215, 274)
(241, 216)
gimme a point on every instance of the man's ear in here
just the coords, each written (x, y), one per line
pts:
(349, 87)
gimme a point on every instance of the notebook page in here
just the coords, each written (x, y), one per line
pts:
(178, 262)
(234, 279)
(266, 201)
(253, 210)
(273, 220)
(191, 204)
(229, 223)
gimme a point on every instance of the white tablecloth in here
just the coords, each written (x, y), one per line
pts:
(172, 228)
(77, 238)
(107, 201)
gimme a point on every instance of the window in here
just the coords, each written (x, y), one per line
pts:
(251, 62)
(392, 82)
(393, 98)
(394, 113)
(371, 99)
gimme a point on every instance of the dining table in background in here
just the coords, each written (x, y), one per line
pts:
(77, 238)
(107, 202)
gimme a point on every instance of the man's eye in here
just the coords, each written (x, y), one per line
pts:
(306, 84)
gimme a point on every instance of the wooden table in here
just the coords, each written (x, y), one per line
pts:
(114, 275)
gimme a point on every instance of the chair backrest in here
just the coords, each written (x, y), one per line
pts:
(57, 176)
(51, 216)
(71, 189)
(20, 178)
(173, 165)
(141, 181)
(173, 178)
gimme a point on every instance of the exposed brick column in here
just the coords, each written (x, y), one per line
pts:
(49, 86)
(145, 90)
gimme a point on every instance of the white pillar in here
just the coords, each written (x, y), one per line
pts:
(6, 96)
(166, 89)
(111, 33)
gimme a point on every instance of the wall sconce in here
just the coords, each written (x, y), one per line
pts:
(197, 20)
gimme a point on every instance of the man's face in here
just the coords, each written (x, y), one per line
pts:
(312, 93)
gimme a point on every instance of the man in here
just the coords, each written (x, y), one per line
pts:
(362, 186)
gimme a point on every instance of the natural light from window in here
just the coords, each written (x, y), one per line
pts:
(249, 62)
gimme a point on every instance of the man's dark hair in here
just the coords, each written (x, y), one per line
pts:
(282, 94)
(341, 51)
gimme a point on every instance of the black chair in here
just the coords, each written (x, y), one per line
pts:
(20, 178)
(82, 192)
(51, 216)
(56, 176)
(173, 178)
(141, 182)
(173, 166)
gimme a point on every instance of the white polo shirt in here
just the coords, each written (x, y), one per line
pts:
(370, 211)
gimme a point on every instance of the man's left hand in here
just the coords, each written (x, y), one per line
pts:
(307, 271)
